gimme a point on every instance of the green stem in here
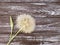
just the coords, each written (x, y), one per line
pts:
(13, 36)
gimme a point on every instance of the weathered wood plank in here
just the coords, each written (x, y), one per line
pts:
(48, 10)
(46, 14)
(29, 1)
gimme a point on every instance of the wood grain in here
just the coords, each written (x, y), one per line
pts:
(29, 1)
(46, 14)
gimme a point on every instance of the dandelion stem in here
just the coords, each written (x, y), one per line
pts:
(13, 37)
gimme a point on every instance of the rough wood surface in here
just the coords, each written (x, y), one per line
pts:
(29, 1)
(46, 14)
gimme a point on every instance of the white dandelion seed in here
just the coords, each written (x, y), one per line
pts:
(27, 21)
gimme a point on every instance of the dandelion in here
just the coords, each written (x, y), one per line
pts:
(27, 21)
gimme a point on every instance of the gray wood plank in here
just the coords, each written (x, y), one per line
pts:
(46, 14)
(29, 1)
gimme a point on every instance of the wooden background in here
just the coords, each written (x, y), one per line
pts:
(46, 14)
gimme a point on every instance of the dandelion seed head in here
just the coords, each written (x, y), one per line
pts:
(26, 21)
